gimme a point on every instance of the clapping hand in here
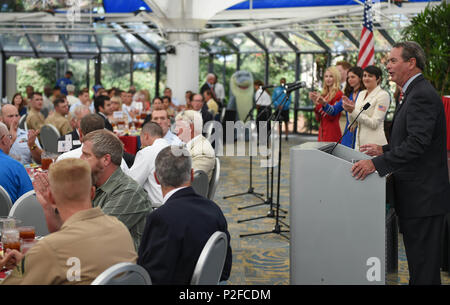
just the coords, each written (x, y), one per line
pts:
(11, 259)
(314, 96)
(32, 134)
(347, 104)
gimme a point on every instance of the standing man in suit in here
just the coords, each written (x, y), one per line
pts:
(176, 232)
(417, 158)
(103, 108)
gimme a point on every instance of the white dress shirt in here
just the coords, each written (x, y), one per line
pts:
(20, 147)
(77, 152)
(264, 100)
(143, 171)
(172, 138)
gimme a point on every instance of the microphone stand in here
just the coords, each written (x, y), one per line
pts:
(250, 190)
(365, 107)
(277, 228)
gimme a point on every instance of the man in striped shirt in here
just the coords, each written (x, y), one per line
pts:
(117, 194)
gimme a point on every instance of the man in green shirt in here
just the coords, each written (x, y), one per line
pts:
(117, 194)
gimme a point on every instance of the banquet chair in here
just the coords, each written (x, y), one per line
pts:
(214, 180)
(5, 202)
(23, 122)
(200, 183)
(28, 209)
(49, 138)
(210, 263)
(123, 274)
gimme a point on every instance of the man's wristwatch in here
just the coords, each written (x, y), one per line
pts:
(33, 147)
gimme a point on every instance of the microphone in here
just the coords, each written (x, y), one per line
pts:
(295, 86)
(268, 86)
(365, 107)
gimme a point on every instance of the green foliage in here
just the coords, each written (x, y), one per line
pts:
(431, 29)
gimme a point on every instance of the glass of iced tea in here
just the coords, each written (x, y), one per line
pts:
(27, 232)
(46, 160)
(11, 239)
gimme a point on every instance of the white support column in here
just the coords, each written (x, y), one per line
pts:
(183, 66)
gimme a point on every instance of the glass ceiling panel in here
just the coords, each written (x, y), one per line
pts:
(82, 44)
(11, 42)
(47, 43)
(109, 43)
(304, 42)
(133, 42)
(153, 38)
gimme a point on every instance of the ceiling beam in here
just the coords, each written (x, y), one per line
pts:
(346, 32)
(287, 41)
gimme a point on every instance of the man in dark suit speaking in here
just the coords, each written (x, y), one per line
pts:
(417, 158)
(176, 232)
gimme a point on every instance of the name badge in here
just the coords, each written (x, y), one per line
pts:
(117, 114)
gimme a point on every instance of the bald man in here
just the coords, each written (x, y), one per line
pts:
(25, 147)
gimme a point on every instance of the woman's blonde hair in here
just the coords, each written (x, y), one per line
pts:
(331, 91)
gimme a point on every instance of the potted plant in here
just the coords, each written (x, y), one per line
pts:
(431, 29)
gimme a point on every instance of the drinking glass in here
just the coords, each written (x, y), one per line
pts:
(11, 239)
(27, 232)
(46, 160)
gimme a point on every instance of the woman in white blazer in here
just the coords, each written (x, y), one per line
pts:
(370, 122)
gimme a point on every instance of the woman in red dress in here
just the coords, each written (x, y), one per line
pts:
(329, 129)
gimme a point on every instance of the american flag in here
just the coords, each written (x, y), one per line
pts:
(366, 54)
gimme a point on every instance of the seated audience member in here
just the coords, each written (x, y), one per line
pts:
(81, 235)
(176, 233)
(80, 112)
(35, 119)
(13, 176)
(198, 105)
(143, 169)
(157, 104)
(89, 123)
(188, 98)
(174, 103)
(117, 194)
(71, 98)
(58, 117)
(210, 102)
(130, 107)
(162, 119)
(25, 146)
(47, 104)
(103, 108)
(84, 99)
(19, 103)
(188, 126)
(166, 106)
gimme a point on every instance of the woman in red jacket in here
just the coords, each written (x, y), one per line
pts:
(329, 130)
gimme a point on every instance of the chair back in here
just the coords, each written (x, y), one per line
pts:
(123, 274)
(5, 202)
(200, 183)
(210, 263)
(23, 122)
(214, 180)
(49, 138)
(28, 209)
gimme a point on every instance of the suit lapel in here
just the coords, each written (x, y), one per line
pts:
(405, 97)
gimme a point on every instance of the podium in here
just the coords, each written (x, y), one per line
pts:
(342, 231)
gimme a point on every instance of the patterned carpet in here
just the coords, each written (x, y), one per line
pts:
(264, 259)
